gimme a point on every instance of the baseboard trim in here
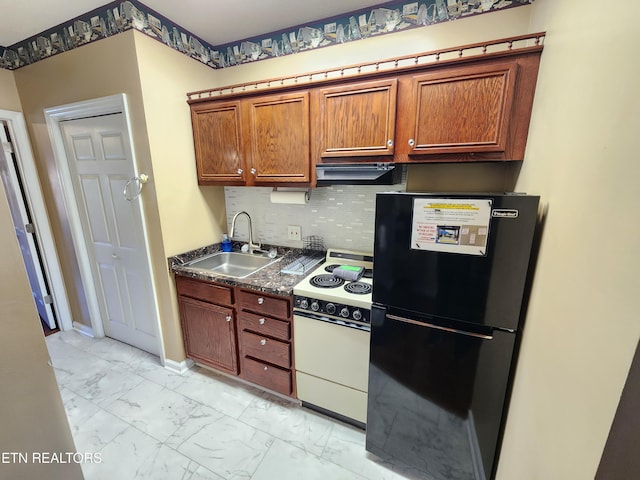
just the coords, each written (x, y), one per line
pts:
(178, 367)
(83, 329)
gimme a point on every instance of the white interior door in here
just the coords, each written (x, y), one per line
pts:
(25, 228)
(101, 164)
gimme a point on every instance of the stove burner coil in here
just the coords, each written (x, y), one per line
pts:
(326, 281)
(368, 273)
(331, 268)
(358, 288)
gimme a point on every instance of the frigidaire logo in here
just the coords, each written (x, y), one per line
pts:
(504, 213)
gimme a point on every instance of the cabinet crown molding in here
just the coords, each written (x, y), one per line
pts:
(532, 42)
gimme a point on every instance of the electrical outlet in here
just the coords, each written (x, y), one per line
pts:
(294, 232)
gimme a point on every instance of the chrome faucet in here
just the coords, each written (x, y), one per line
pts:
(252, 246)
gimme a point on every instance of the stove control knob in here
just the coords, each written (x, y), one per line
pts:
(344, 312)
(357, 315)
(315, 306)
(331, 308)
(304, 303)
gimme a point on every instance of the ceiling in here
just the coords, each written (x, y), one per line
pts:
(215, 21)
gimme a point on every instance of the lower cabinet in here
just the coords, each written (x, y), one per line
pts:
(242, 332)
(208, 323)
(209, 334)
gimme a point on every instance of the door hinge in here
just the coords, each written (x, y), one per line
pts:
(48, 299)
(30, 228)
(7, 147)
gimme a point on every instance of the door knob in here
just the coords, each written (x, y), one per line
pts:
(260, 301)
(228, 318)
(240, 171)
(411, 142)
(263, 341)
(114, 256)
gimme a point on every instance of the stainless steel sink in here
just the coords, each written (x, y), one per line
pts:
(231, 264)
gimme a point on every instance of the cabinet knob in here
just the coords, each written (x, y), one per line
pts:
(240, 171)
(253, 171)
(411, 142)
(228, 318)
(260, 300)
(263, 341)
(266, 368)
(261, 321)
(389, 143)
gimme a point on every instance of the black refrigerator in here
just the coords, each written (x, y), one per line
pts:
(448, 285)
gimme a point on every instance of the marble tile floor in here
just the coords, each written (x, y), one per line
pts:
(150, 423)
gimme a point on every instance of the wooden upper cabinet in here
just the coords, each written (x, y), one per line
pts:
(218, 142)
(356, 119)
(279, 151)
(464, 110)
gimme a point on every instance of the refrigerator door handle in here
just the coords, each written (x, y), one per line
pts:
(438, 327)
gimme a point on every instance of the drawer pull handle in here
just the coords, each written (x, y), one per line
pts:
(228, 318)
(261, 321)
(260, 300)
(263, 341)
(266, 368)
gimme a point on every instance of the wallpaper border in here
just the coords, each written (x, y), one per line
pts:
(117, 17)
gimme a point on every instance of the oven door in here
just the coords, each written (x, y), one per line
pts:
(332, 366)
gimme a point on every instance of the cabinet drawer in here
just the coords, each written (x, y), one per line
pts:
(267, 349)
(268, 376)
(205, 291)
(265, 325)
(260, 303)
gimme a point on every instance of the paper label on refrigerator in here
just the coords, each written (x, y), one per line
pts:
(454, 225)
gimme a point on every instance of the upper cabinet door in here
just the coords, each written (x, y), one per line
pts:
(279, 150)
(218, 143)
(458, 110)
(357, 119)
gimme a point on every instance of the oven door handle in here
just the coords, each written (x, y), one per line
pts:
(438, 327)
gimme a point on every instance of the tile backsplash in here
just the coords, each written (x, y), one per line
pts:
(343, 215)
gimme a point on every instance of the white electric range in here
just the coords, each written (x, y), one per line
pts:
(338, 300)
(331, 335)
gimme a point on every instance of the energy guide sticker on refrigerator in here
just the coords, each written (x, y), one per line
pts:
(451, 225)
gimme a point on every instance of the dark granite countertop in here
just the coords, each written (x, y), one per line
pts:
(268, 279)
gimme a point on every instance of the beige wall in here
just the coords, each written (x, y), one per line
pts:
(32, 417)
(9, 99)
(190, 216)
(582, 325)
(166, 76)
